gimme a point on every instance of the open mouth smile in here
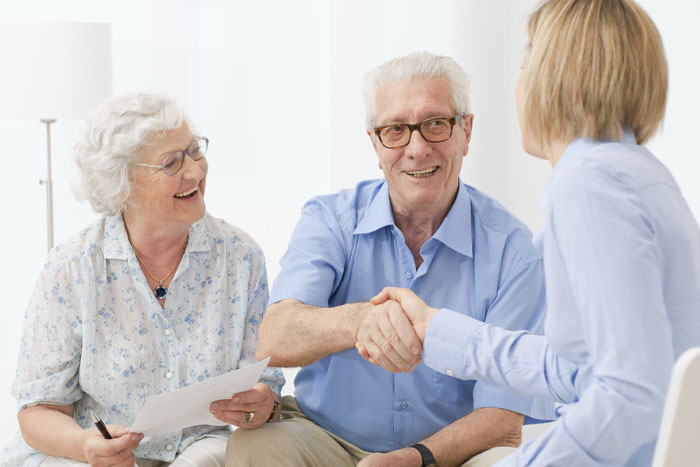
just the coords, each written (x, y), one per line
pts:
(187, 194)
(422, 173)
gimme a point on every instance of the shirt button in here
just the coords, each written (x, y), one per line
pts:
(168, 375)
(404, 405)
(407, 275)
(167, 332)
(449, 373)
(169, 447)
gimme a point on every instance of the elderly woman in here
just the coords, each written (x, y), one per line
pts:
(621, 248)
(154, 296)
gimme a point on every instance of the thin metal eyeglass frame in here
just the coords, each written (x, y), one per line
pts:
(185, 152)
(417, 126)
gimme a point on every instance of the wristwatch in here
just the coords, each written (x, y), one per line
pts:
(426, 455)
(275, 406)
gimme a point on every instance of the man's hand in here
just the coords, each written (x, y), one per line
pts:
(386, 338)
(417, 311)
(116, 452)
(405, 457)
(259, 401)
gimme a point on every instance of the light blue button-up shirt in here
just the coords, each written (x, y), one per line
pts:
(480, 262)
(622, 266)
(96, 337)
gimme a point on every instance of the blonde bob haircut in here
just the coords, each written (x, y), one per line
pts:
(595, 67)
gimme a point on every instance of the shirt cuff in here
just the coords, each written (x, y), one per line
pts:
(446, 341)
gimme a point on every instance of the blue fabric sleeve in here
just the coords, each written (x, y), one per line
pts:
(470, 349)
(314, 263)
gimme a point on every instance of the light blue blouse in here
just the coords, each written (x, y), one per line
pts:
(622, 267)
(95, 336)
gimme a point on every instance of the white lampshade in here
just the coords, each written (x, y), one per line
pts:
(54, 70)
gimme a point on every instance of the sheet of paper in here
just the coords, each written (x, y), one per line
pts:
(189, 406)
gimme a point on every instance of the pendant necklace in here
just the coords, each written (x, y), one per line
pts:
(159, 290)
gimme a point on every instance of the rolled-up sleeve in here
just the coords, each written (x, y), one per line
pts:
(50, 348)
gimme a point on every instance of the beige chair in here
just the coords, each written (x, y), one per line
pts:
(678, 444)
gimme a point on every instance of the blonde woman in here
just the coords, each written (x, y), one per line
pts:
(621, 248)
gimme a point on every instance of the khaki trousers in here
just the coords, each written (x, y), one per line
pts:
(296, 441)
(205, 452)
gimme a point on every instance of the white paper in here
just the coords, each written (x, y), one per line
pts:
(189, 406)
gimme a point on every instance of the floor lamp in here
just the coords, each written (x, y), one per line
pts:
(53, 71)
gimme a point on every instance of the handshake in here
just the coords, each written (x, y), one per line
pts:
(392, 329)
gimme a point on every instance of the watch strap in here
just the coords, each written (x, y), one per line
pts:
(426, 455)
(274, 409)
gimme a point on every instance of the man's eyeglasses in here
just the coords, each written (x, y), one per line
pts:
(433, 130)
(173, 161)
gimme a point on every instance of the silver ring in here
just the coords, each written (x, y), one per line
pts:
(249, 417)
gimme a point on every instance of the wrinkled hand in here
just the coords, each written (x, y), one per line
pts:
(115, 452)
(405, 457)
(259, 401)
(386, 338)
(417, 311)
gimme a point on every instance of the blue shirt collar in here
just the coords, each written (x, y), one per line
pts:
(455, 230)
(116, 242)
(378, 212)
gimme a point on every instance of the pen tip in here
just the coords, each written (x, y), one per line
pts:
(95, 418)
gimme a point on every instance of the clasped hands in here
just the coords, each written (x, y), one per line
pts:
(392, 329)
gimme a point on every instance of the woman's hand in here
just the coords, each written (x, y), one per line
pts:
(256, 405)
(115, 452)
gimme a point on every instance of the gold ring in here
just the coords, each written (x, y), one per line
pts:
(249, 417)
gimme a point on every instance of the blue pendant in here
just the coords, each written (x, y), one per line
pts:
(160, 292)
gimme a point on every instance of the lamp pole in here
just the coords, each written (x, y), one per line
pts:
(53, 71)
(48, 182)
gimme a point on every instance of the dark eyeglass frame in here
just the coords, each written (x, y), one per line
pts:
(418, 126)
(185, 152)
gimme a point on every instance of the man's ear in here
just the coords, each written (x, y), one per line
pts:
(373, 140)
(467, 124)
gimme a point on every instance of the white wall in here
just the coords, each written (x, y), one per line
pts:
(276, 87)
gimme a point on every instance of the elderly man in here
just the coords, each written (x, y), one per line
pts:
(421, 228)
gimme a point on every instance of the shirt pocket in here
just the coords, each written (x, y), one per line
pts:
(453, 390)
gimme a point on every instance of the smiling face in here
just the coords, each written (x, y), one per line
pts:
(172, 201)
(422, 176)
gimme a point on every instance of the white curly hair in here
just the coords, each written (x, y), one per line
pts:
(116, 132)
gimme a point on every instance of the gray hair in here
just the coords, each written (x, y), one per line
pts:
(418, 66)
(115, 134)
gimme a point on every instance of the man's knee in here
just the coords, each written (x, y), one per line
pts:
(242, 443)
(270, 444)
(291, 443)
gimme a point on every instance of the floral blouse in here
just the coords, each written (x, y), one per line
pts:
(96, 337)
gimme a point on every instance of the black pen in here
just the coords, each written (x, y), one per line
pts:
(100, 425)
